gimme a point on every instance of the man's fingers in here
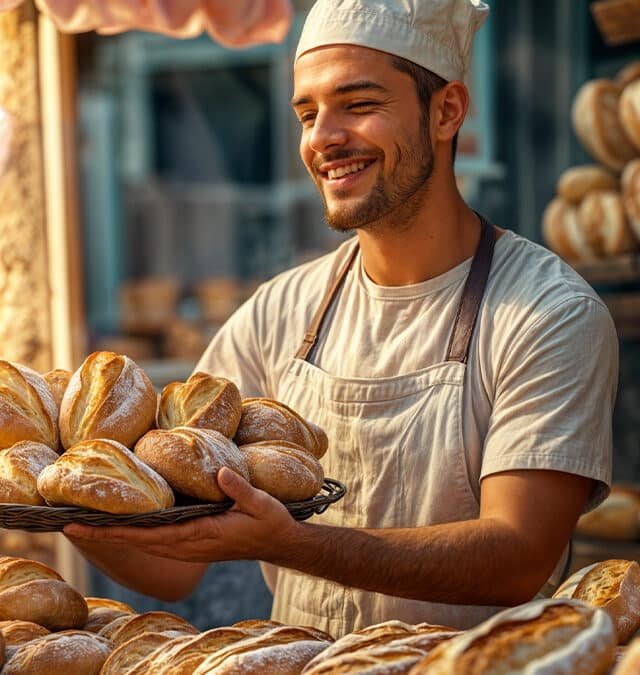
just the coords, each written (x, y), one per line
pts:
(247, 499)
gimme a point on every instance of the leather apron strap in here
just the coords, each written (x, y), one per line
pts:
(468, 308)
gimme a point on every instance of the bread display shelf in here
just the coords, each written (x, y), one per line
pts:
(54, 518)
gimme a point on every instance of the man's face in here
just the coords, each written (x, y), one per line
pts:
(365, 139)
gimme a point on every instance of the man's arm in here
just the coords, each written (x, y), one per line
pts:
(502, 558)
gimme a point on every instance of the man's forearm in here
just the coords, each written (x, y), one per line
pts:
(470, 562)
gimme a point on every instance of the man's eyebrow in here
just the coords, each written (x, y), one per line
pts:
(360, 85)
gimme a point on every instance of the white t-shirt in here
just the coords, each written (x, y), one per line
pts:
(542, 370)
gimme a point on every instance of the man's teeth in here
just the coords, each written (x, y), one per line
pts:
(344, 170)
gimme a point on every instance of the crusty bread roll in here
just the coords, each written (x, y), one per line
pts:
(597, 125)
(71, 651)
(110, 628)
(148, 664)
(103, 475)
(20, 466)
(562, 234)
(18, 632)
(103, 611)
(628, 663)
(577, 182)
(109, 396)
(130, 653)
(27, 409)
(631, 195)
(628, 74)
(603, 220)
(389, 658)
(281, 651)
(153, 622)
(629, 112)
(379, 635)
(618, 517)
(284, 470)
(32, 591)
(202, 401)
(259, 625)
(189, 459)
(58, 380)
(613, 586)
(545, 636)
(95, 604)
(264, 419)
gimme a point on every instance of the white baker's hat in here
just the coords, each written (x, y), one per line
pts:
(435, 34)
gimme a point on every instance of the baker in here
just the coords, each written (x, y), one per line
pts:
(464, 375)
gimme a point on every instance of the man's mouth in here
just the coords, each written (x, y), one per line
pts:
(338, 172)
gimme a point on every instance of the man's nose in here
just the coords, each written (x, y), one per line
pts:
(327, 132)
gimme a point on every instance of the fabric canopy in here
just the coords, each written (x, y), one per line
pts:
(233, 23)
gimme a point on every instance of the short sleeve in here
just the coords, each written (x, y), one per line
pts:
(555, 394)
(234, 352)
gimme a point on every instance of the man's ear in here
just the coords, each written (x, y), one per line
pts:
(449, 107)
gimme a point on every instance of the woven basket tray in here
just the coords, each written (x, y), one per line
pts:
(54, 518)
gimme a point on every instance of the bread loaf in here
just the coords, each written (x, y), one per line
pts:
(58, 380)
(32, 591)
(628, 74)
(27, 409)
(103, 611)
(18, 632)
(154, 622)
(603, 220)
(109, 396)
(553, 637)
(284, 470)
(20, 466)
(577, 182)
(147, 666)
(613, 586)
(189, 459)
(631, 195)
(202, 401)
(110, 628)
(597, 125)
(264, 419)
(629, 112)
(618, 517)
(130, 653)
(72, 651)
(390, 658)
(104, 476)
(562, 233)
(629, 661)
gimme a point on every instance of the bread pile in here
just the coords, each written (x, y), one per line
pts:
(617, 517)
(101, 439)
(596, 211)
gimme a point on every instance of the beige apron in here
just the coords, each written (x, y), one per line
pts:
(397, 444)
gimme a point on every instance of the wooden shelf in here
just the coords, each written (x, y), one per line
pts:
(618, 270)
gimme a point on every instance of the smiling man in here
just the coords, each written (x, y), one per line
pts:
(464, 375)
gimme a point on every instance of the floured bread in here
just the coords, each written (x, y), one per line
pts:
(155, 622)
(20, 466)
(264, 419)
(18, 632)
(189, 459)
(109, 396)
(58, 380)
(130, 653)
(104, 476)
(202, 401)
(612, 585)
(27, 409)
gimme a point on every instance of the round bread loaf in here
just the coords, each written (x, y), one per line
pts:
(153, 622)
(20, 466)
(544, 636)
(109, 396)
(103, 475)
(283, 469)
(577, 182)
(629, 112)
(597, 124)
(617, 517)
(18, 632)
(202, 401)
(58, 380)
(613, 586)
(631, 195)
(109, 629)
(264, 419)
(130, 653)
(103, 611)
(27, 409)
(603, 221)
(189, 459)
(32, 591)
(628, 660)
(72, 651)
(562, 234)
(628, 74)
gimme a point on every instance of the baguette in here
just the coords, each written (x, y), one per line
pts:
(202, 401)
(104, 476)
(109, 396)
(18, 632)
(189, 459)
(613, 586)
(553, 637)
(20, 466)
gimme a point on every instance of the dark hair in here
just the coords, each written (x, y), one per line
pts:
(426, 84)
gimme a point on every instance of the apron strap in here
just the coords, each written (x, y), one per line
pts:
(472, 295)
(311, 335)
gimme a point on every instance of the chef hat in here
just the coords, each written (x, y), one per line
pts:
(435, 34)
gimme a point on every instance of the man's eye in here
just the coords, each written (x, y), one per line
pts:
(306, 118)
(360, 105)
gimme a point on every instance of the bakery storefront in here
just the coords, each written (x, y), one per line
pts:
(150, 181)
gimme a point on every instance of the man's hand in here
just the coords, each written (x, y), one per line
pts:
(257, 527)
